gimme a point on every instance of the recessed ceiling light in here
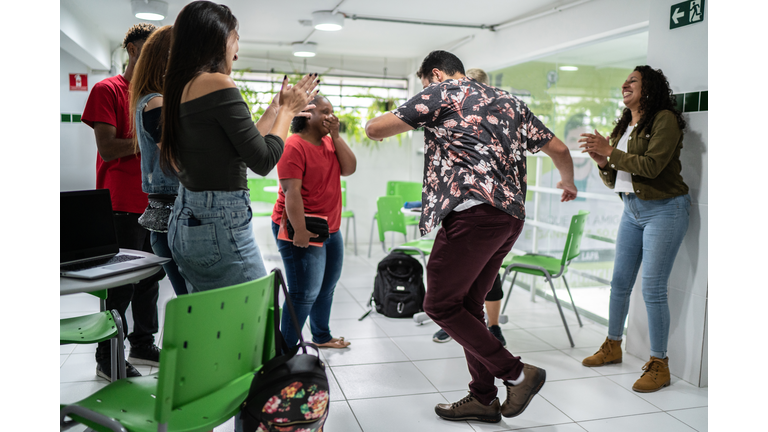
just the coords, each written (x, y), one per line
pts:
(568, 68)
(152, 10)
(304, 49)
(327, 21)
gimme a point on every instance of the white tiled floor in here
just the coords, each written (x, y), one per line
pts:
(392, 375)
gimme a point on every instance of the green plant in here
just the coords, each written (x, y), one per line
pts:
(352, 121)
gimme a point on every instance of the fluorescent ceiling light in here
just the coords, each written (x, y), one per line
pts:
(152, 10)
(568, 68)
(304, 49)
(327, 21)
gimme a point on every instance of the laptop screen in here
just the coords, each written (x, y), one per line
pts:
(87, 226)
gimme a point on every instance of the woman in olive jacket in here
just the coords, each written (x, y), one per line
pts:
(642, 164)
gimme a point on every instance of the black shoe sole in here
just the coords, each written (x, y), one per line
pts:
(530, 398)
(495, 419)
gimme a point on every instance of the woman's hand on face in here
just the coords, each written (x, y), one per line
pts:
(332, 123)
(295, 98)
(595, 143)
(301, 238)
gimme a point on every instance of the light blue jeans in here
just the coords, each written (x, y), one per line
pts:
(211, 240)
(312, 274)
(650, 233)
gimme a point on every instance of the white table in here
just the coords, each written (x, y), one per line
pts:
(72, 286)
(276, 189)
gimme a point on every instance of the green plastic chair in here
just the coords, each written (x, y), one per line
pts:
(390, 219)
(213, 343)
(550, 267)
(410, 191)
(347, 214)
(95, 328)
(409, 220)
(258, 194)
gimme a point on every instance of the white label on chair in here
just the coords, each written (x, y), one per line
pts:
(401, 288)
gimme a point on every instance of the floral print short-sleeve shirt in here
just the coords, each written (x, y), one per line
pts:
(475, 137)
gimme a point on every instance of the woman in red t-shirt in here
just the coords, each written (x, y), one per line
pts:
(314, 158)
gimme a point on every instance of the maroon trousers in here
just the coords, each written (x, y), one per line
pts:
(465, 259)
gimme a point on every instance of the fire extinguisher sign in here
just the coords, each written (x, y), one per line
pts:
(78, 82)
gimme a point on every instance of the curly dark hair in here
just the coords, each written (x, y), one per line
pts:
(138, 32)
(299, 123)
(655, 96)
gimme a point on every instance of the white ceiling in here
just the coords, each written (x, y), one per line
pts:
(268, 27)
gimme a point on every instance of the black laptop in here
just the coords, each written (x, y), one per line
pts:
(89, 247)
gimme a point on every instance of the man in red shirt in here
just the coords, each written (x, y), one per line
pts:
(118, 168)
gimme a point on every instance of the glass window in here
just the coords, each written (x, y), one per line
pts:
(573, 92)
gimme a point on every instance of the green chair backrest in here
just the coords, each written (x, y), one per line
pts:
(410, 191)
(392, 187)
(211, 339)
(575, 234)
(389, 217)
(258, 194)
(343, 194)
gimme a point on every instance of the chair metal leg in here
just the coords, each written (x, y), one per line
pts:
(346, 234)
(370, 239)
(354, 231)
(118, 348)
(560, 309)
(576, 311)
(506, 272)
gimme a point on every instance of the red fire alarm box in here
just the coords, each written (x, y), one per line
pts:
(78, 82)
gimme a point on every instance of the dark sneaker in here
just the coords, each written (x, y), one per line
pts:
(441, 336)
(496, 332)
(470, 408)
(519, 396)
(145, 355)
(104, 370)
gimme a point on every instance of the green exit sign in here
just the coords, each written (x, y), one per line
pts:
(685, 13)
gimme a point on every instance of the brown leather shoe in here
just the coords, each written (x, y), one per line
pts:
(470, 408)
(655, 377)
(519, 396)
(609, 352)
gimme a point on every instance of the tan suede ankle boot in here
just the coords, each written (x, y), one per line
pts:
(655, 377)
(609, 352)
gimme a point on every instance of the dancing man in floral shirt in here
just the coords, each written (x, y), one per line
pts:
(475, 138)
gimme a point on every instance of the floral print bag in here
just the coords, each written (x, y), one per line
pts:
(290, 392)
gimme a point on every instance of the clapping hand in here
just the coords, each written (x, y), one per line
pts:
(597, 146)
(296, 98)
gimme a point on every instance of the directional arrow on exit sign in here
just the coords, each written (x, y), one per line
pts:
(686, 13)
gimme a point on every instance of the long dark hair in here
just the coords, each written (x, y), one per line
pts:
(199, 45)
(655, 96)
(149, 72)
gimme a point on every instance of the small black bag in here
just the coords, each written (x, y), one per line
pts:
(398, 290)
(314, 225)
(290, 392)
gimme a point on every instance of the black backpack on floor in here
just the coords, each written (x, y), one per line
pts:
(398, 290)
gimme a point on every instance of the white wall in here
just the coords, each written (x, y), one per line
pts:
(77, 144)
(682, 54)
(584, 24)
